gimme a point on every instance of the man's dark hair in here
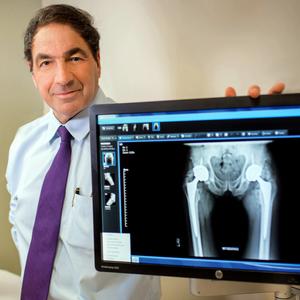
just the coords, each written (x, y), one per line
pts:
(81, 21)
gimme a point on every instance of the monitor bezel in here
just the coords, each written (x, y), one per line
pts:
(280, 100)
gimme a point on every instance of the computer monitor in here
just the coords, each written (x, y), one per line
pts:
(201, 188)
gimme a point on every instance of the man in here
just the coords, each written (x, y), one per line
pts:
(61, 48)
(62, 51)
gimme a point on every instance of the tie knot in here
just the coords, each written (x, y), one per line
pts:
(64, 134)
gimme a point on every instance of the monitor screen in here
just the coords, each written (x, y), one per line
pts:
(202, 188)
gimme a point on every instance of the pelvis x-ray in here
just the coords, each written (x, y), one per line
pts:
(231, 191)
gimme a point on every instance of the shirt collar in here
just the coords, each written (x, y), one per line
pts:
(78, 126)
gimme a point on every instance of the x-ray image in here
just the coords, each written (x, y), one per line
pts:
(110, 200)
(231, 188)
(109, 179)
(108, 159)
(226, 199)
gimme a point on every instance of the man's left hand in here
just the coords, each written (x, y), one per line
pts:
(254, 90)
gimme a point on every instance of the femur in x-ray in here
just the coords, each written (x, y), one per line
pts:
(231, 175)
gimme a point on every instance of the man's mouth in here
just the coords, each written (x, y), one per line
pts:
(66, 94)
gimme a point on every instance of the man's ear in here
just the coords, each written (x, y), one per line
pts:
(98, 63)
(33, 79)
(30, 66)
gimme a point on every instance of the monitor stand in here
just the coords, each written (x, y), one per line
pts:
(201, 287)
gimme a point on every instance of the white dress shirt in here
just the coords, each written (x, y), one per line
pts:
(74, 275)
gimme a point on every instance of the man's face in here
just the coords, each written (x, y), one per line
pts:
(64, 70)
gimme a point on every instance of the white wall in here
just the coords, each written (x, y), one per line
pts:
(172, 49)
(164, 49)
(19, 104)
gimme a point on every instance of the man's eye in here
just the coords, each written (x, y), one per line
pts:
(45, 63)
(75, 58)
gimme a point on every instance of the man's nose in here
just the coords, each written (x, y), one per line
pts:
(63, 74)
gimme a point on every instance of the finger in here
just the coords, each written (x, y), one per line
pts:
(230, 92)
(277, 88)
(254, 91)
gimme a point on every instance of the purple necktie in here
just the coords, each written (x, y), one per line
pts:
(42, 250)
